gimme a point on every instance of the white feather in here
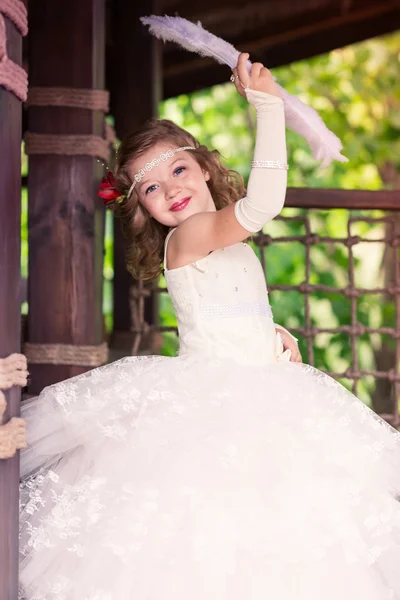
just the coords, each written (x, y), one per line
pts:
(302, 119)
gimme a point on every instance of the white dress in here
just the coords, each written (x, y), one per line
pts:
(221, 474)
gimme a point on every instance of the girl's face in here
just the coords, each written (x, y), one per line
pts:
(175, 189)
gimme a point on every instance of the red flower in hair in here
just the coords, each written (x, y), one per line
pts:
(108, 191)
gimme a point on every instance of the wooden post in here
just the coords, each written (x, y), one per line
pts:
(136, 89)
(10, 225)
(66, 49)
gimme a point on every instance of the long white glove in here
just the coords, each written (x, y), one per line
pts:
(266, 188)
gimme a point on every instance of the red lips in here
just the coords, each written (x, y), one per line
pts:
(180, 205)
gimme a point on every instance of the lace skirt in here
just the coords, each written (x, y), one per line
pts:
(160, 478)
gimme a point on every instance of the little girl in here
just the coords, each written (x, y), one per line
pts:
(224, 473)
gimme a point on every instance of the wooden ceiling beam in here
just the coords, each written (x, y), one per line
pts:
(185, 72)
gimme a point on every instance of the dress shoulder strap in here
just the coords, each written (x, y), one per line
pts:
(166, 246)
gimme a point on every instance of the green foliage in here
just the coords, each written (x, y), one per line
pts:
(108, 269)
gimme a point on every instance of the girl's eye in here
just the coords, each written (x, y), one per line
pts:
(150, 189)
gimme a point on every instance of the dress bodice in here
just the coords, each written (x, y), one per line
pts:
(222, 307)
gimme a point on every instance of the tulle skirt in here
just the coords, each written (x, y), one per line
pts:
(161, 478)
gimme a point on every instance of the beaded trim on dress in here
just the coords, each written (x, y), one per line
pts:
(240, 309)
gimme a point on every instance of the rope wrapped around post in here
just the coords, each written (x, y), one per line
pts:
(13, 371)
(67, 354)
(70, 144)
(12, 76)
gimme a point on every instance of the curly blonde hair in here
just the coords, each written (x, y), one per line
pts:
(145, 235)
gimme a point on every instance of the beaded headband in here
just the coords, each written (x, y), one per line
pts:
(108, 190)
(154, 163)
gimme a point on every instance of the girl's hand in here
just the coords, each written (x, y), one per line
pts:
(290, 344)
(260, 79)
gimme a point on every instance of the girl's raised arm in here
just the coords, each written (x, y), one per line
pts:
(207, 231)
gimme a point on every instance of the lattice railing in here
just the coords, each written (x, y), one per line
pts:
(374, 337)
(351, 291)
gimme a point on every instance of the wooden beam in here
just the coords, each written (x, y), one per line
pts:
(185, 72)
(324, 198)
(273, 19)
(65, 216)
(10, 241)
(135, 85)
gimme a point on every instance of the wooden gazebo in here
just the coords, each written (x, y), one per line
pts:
(72, 53)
